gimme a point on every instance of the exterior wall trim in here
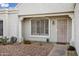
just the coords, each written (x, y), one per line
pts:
(29, 15)
(7, 11)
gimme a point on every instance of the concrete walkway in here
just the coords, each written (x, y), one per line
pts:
(58, 50)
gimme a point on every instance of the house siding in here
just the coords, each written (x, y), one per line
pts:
(26, 28)
(76, 28)
(10, 22)
(41, 8)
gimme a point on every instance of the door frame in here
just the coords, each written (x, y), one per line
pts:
(66, 18)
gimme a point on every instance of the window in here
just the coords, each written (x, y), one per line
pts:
(39, 27)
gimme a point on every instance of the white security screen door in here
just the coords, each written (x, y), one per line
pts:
(62, 30)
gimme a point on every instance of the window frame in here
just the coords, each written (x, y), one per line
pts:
(32, 35)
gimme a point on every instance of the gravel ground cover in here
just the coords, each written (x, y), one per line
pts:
(25, 50)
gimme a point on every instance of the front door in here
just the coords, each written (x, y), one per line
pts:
(62, 30)
(1, 28)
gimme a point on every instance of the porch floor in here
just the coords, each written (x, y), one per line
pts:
(62, 50)
(58, 50)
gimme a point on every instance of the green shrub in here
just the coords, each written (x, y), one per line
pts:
(3, 40)
(71, 48)
(13, 40)
(26, 42)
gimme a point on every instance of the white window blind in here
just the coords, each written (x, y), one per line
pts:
(39, 27)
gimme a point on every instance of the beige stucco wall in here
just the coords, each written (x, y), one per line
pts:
(26, 9)
(26, 31)
(13, 24)
(76, 28)
(69, 30)
(5, 24)
(40, 8)
(10, 22)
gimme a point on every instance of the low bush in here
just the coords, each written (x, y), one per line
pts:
(13, 40)
(4, 40)
(71, 48)
(26, 42)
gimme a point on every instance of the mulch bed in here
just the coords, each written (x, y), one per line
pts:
(25, 50)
